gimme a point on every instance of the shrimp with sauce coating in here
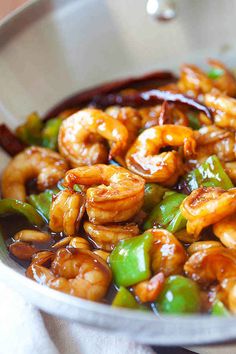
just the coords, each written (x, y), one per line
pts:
(144, 160)
(115, 194)
(131, 119)
(193, 81)
(206, 206)
(225, 81)
(209, 265)
(76, 272)
(82, 137)
(225, 230)
(212, 140)
(34, 162)
(107, 237)
(223, 108)
(66, 211)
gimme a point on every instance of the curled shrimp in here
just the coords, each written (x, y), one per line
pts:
(226, 81)
(34, 162)
(212, 140)
(107, 237)
(144, 160)
(167, 253)
(212, 264)
(82, 137)
(150, 116)
(206, 206)
(66, 211)
(115, 194)
(131, 119)
(225, 230)
(223, 108)
(77, 272)
(193, 81)
(148, 290)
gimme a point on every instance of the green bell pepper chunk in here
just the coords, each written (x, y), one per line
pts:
(167, 214)
(124, 298)
(3, 248)
(30, 131)
(193, 119)
(180, 295)
(130, 260)
(153, 194)
(215, 73)
(50, 133)
(209, 174)
(12, 206)
(42, 202)
(61, 187)
(219, 309)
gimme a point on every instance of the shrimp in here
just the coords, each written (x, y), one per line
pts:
(74, 271)
(148, 290)
(66, 211)
(150, 116)
(107, 237)
(225, 230)
(170, 114)
(228, 291)
(206, 206)
(82, 137)
(193, 81)
(212, 140)
(167, 253)
(223, 108)
(226, 81)
(131, 119)
(48, 166)
(115, 194)
(144, 160)
(211, 264)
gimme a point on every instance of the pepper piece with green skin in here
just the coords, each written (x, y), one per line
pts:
(193, 119)
(124, 298)
(215, 73)
(42, 202)
(219, 309)
(167, 214)
(50, 133)
(13, 206)
(30, 131)
(179, 295)
(130, 260)
(209, 174)
(153, 194)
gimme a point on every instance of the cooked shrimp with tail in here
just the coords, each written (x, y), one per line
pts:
(145, 159)
(83, 137)
(114, 194)
(77, 272)
(34, 162)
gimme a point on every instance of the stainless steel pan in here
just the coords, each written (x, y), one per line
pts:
(52, 48)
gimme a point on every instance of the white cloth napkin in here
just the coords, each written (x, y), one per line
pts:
(25, 330)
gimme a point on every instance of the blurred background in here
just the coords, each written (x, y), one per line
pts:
(7, 6)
